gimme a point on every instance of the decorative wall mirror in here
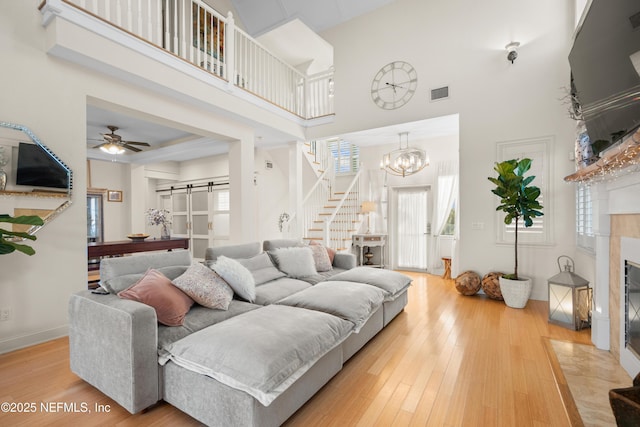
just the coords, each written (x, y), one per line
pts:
(33, 180)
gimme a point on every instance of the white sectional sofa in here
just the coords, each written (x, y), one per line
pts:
(253, 364)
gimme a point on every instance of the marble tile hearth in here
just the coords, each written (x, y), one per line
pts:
(585, 375)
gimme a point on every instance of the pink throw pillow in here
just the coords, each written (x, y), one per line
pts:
(156, 290)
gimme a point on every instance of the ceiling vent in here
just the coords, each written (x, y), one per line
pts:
(440, 93)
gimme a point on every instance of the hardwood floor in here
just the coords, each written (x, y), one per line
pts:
(447, 360)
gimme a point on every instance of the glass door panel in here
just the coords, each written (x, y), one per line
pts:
(180, 214)
(199, 200)
(199, 247)
(200, 225)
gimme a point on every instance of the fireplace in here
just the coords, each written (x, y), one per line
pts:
(632, 306)
(629, 279)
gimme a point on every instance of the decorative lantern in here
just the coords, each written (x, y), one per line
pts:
(569, 298)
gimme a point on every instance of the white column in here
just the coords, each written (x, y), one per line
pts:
(295, 188)
(242, 198)
(139, 191)
(602, 228)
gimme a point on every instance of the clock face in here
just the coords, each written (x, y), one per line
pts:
(394, 85)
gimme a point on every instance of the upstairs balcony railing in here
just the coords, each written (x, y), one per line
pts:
(195, 32)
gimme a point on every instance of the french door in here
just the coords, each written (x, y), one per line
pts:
(411, 228)
(201, 214)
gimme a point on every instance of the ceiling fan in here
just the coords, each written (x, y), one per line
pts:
(114, 144)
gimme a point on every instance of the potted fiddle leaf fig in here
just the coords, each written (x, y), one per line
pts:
(519, 202)
(9, 246)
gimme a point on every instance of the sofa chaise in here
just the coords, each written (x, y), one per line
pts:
(252, 364)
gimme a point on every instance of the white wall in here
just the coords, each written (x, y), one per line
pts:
(37, 288)
(461, 44)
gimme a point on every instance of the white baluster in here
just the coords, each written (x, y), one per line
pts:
(149, 23)
(183, 33)
(129, 26)
(230, 50)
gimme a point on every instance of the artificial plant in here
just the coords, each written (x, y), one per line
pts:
(518, 199)
(6, 246)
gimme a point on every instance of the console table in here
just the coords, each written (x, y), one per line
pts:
(121, 247)
(370, 241)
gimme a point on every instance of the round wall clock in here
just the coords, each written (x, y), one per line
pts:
(394, 85)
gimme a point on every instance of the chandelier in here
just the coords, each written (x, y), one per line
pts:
(405, 160)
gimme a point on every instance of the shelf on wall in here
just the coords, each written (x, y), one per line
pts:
(41, 194)
(613, 160)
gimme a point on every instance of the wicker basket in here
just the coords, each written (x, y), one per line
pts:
(516, 293)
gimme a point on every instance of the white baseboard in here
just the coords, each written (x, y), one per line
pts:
(17, 343)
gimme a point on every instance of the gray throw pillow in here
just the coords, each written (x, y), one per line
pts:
(237, 276)
(262, 268)
(205, 287)
(296, 262)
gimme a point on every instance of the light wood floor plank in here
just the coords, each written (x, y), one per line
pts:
(447, 360)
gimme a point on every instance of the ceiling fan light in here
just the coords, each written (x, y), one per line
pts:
(112, 148)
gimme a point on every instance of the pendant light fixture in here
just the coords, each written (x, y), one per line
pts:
(405, 160)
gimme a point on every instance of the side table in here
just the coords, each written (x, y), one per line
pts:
(360, 241)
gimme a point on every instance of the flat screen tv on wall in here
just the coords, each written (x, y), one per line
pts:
(605, 66)
(37, 168)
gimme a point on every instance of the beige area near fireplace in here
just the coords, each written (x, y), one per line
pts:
(627, 226)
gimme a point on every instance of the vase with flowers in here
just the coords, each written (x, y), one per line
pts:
(161, 217)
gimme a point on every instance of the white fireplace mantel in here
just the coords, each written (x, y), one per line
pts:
(614, 197)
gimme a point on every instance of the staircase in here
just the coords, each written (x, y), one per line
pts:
(332, 206)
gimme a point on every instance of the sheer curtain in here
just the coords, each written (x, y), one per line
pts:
(412, 228)
(447, 191)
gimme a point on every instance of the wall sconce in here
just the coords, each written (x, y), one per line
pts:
(367, 208)
(569, 298)
(512, 51)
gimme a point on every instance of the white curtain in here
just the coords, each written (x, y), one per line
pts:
(412, 228)
(447, 191)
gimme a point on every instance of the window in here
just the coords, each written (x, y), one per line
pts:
(346, 156)
(585, 237)
(94, 217)
(538, 151)
(450, 225)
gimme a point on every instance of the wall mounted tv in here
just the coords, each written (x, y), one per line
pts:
(37, 168)
(605, 79)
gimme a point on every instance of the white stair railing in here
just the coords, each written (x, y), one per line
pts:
(315, 203)
(338, 236)
(195, 32)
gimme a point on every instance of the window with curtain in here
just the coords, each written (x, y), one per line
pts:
(346, 156)
(450, 225)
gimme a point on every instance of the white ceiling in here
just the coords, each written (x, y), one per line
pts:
(166, 143)
(260, 16)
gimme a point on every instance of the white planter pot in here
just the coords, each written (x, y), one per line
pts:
(516, 293)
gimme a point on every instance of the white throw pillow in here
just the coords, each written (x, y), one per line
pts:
(205, 287)
(237, 276)
(296, 262)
